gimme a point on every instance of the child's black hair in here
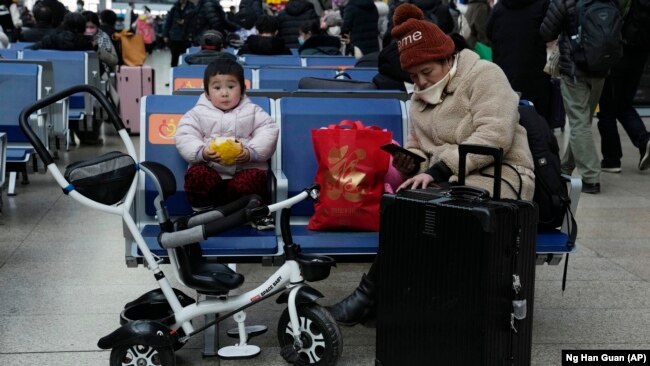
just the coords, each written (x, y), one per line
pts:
(224, 66)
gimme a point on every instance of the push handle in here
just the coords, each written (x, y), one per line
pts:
(42, 103)
(496, 153)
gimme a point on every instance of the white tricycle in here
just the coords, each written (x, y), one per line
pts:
(160, 321)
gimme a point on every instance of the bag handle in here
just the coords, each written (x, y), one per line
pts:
(496, 153)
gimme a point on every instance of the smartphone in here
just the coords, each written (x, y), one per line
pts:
(393, 148)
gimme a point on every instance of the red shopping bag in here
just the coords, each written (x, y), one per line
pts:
(351, 170)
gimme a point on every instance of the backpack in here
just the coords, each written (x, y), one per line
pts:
(596, 44)
(551, 193)
(636, 25)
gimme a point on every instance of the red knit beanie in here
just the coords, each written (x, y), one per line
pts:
(418, 40)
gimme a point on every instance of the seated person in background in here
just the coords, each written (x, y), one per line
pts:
(105, 50)
(43, 26)
(211, 49)
(68, 37)
(266, 42)
(107, 19)
(313, 41)
(458, 99)
(224, 111)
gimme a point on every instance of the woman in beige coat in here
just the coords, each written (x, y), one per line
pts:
(458, 99)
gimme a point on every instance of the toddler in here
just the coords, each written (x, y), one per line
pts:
(224, 111)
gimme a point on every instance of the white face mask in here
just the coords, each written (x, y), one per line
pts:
(301, 40)
(334, 31)
(433, 94)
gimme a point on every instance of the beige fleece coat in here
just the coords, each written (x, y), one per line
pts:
(480, 108)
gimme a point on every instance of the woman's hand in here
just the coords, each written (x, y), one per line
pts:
(403, 163)
(209, 155)
(422, 180)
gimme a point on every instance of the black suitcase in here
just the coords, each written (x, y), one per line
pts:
(456, 276)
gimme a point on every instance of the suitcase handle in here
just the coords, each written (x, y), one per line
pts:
(496, 153)
(467, 191)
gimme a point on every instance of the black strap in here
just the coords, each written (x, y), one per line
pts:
(566, 265)
(573, 228)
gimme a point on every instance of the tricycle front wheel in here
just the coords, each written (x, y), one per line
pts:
(322, 342)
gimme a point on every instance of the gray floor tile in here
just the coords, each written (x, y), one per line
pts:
(591, 326)
(586, 269)
(596, 295)
(90, 358)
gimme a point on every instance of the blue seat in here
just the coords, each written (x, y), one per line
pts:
(19, 45)
(157, 145)
(71, 68)
(362, 73)
(9, 54)
(280, 60)
(287, 78)
(329, 61)
(19, 88)
(191, 77)
(193, 49)
(3, 163)
(298, 116)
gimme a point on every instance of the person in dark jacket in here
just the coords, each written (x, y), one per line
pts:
(43, 26)
(211, 49)
(437, 12)
(520, 51)
(477, 15)
(315, 42)
(251, 6)
(581, 90)
(68, 37)
(360, 19)
(295, 14)
(266, 42)
(617, 99)
(210, 15)
(176, 30)
(58, 11)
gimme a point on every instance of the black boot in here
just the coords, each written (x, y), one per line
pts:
(357, 306)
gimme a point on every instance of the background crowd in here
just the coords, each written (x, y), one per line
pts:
(521, 33)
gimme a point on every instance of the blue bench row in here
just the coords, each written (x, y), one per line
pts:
(293, 165)
(278, 78)
(31, 76)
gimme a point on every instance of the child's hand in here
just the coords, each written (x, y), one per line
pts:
(244, 156)
(209, 155)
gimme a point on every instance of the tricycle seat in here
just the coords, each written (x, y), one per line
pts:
(205, 277)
